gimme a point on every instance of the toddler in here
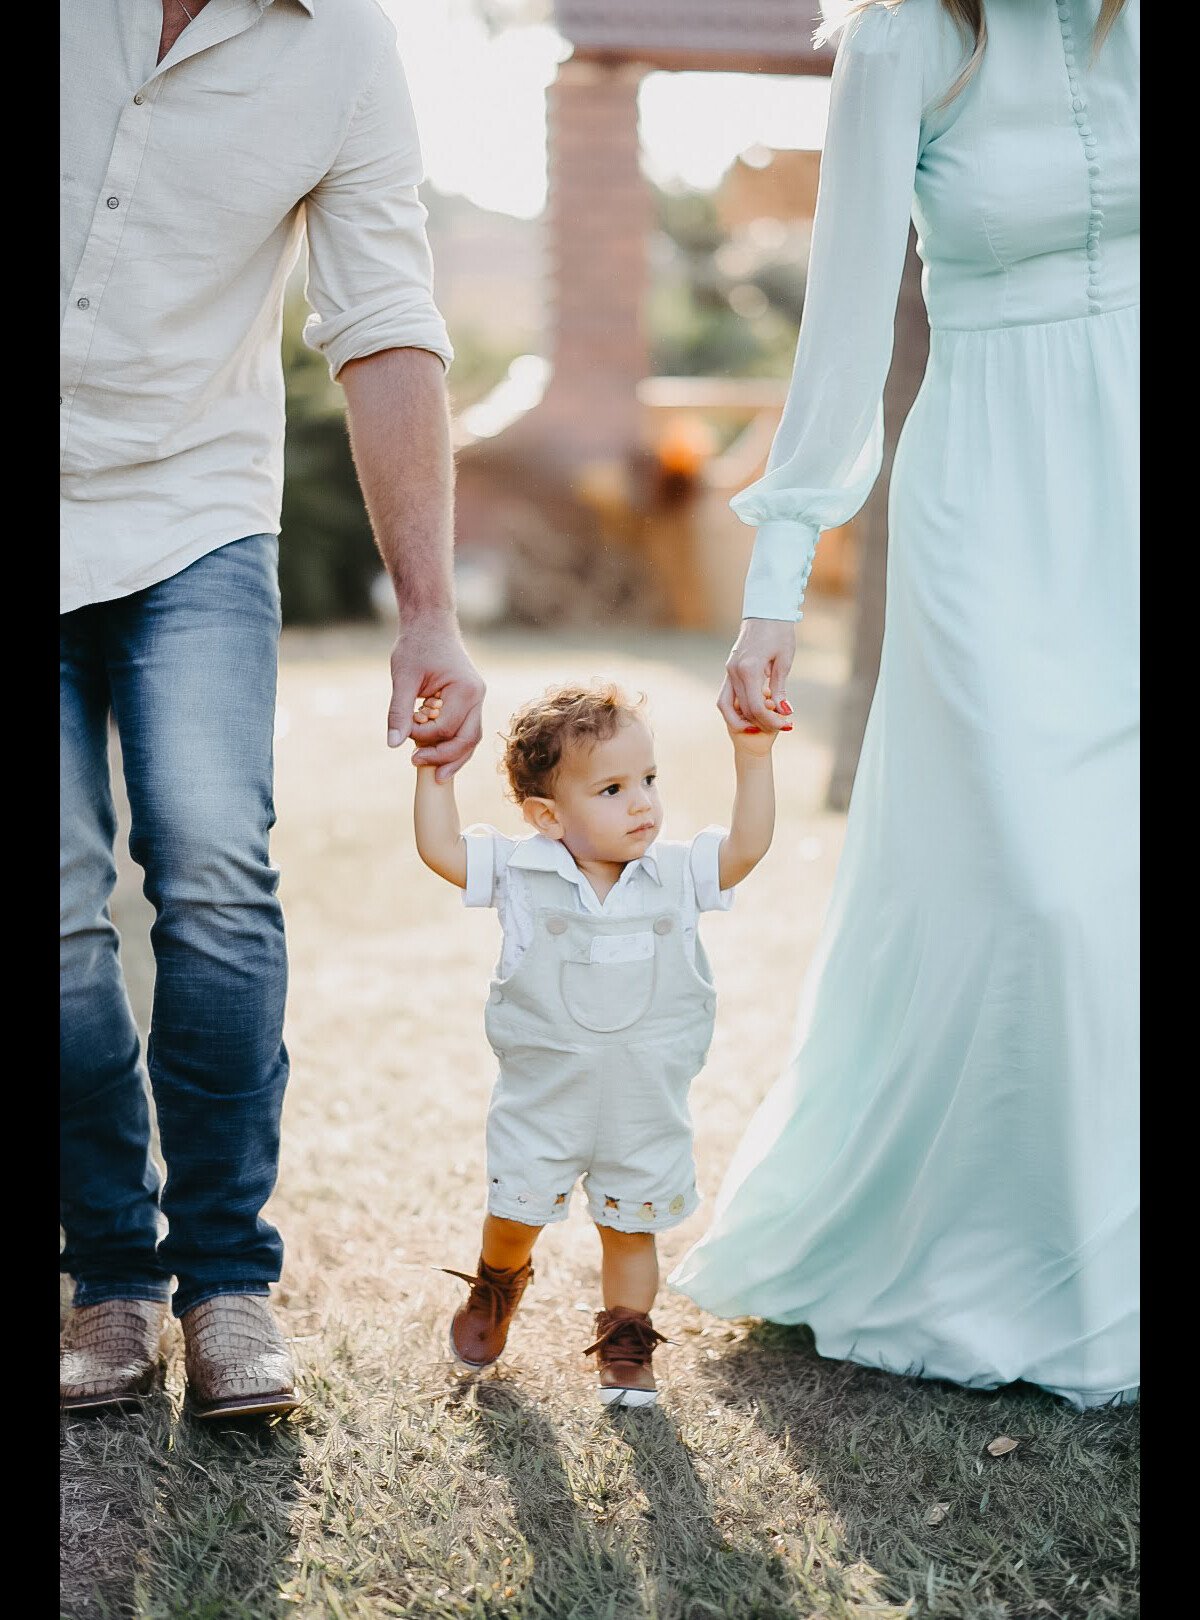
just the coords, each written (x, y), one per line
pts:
(601, 1009)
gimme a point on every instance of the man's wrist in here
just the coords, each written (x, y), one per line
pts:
(434, 614)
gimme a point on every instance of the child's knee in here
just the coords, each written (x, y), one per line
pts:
(625, 1242)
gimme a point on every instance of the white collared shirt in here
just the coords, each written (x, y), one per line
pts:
(495, 877)
(187, 190)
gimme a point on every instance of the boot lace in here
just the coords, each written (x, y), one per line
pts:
(627, 1338)
(492, 1294)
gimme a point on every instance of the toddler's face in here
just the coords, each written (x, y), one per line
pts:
(606, 805)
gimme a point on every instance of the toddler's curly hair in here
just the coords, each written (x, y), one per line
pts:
(563, 716)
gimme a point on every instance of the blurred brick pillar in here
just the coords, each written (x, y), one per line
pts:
(599, 217)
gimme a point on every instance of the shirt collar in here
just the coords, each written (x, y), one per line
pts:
(307, 4)
(542, 854)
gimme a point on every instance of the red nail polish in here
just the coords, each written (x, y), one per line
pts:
(785, 707)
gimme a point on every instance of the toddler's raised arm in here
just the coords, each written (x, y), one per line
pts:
(435, 820)
(752, 825)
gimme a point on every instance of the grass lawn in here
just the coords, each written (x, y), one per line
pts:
(768, 1482)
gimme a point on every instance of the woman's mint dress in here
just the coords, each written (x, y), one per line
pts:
(944, 1181)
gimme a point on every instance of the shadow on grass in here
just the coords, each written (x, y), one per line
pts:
(1050, 1528)
(167, 1518)
(695, 1570)
(571, 1566)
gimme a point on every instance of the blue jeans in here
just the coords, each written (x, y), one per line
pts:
(187, 668)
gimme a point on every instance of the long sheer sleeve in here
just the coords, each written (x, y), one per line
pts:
(829, 444)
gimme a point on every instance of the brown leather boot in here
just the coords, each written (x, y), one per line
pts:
(236, 1362)
(479, 1330)
(624, 1351)
(109, 1353)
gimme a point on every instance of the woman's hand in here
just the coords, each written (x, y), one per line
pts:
(753, 742)
(754, 695)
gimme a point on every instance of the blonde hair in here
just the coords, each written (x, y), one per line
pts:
(542, 729)
(972, 20)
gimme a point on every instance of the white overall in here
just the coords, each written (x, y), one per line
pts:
(599, 1032)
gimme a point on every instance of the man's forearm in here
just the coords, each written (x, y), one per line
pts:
(400, 436)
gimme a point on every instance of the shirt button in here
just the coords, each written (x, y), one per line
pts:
(662, 925)
(83, 303)
(137, 100)
(556, 925)
(114, 202)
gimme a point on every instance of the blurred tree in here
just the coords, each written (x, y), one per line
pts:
(713, 314)
(327, 557)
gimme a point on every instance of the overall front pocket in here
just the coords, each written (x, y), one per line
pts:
(608, 996)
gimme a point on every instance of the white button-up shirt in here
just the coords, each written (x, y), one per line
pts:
(187, 188)
(495, 877)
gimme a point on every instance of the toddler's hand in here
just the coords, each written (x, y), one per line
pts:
(755, 741)
(426, 713)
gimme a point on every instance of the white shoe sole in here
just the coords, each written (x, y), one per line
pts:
(627, 1397)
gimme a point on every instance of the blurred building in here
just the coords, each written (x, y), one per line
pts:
(605, 497)
(485, 261)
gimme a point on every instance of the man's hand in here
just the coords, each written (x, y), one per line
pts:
(755, 691)
(429, 661)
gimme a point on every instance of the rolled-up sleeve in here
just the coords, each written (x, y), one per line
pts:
(705, 865)
(370, 271)
(487, 855)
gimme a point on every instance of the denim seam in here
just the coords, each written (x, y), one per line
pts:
(257, 1287)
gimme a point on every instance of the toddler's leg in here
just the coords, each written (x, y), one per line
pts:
(629, 1270)
(625, 1335)
(507, 1245)
(479, 1330)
